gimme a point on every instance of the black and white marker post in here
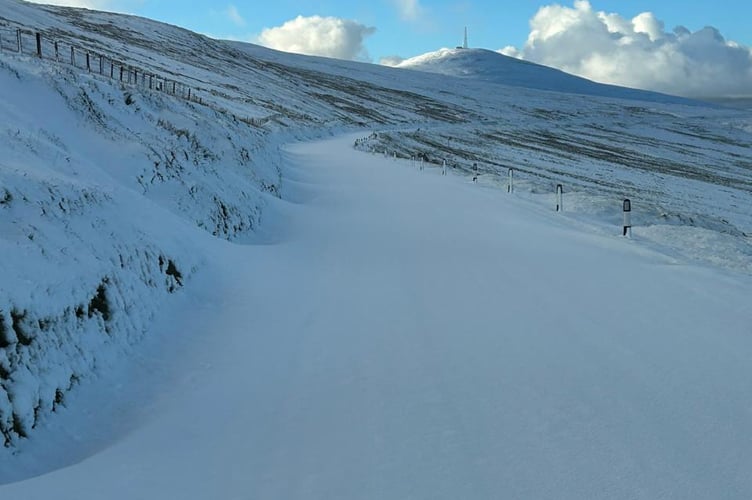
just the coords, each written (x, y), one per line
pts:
(443, 167)
(510, 186)
(627, 218)
(559, 198)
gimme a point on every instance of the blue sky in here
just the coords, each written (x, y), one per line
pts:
(632, 43)
(491, 24)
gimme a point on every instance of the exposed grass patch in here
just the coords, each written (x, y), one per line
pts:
(19, 427)
(4, 340)
(99, 303)
(18, 318)
(6, 198)
(172, 270)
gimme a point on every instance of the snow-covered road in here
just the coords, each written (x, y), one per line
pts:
(399, 334)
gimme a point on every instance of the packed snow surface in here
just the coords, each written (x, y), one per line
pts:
(403, 334)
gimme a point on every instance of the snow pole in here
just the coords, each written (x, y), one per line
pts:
(627, 208)
(421, 163)
(559, 196)
(395, 156)
(443, 167)
(510, 185)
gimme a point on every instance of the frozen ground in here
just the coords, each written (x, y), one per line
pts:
(401, 334)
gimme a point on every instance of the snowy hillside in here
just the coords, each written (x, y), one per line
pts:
(490, 66)
(126, 213)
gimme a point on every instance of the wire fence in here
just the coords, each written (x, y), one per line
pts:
(36, 44)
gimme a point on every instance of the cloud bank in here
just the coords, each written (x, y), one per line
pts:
(637, 52)
(319, 36)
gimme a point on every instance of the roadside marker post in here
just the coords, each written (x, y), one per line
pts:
(510, 185)
(559, 196)
(627, 208)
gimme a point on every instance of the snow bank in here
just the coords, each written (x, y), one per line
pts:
(100, 191)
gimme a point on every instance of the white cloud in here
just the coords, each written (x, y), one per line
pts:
(234, 15)
(637, 52)
(410, 10)
(391, 60)
(321, 36)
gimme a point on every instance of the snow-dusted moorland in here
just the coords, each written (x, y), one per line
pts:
(243, 301)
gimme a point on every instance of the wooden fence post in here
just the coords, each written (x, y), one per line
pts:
(112, 69)
(121, 73)
(173, 88)
(39, 45)
(151, 80)
(72, 56)
(57, 52)
(88, 62)
(18, 35)
(101, 65)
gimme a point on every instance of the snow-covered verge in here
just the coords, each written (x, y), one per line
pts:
(684, 169)
(98, 185)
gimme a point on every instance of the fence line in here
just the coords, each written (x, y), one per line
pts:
(36, 44)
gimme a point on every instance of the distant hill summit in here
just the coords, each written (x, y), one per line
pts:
(490, 66)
